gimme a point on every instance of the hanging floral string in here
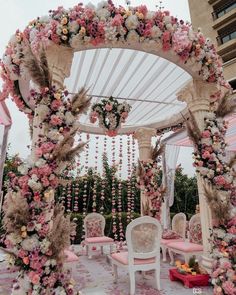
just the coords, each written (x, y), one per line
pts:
(103, 184)
(68, 198)
(128, 181)
(94, 205)
(110, 114)
(121, 231)
(76, 197)
(85, 196)
(113, 193)
(63, 196)
(133, 180)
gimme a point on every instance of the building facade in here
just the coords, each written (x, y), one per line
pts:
(217, 20)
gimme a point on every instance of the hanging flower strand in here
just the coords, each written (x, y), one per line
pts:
(110, 114)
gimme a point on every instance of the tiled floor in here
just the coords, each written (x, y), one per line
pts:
(94, 277)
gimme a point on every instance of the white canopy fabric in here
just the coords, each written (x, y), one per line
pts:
(149, 82)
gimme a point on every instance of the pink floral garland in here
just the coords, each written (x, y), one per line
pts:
(39, 178)
(107, 24)
(209, 163)
(148, 182)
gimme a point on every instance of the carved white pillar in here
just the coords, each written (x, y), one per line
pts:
(144, 138)
(59, 59)
(196, 94)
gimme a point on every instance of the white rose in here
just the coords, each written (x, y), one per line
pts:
(44, 246)
(102, 4)
(210, 116)
(103, 14)
(156, 32)
(69, 118)
(30, 243)
(132, 22)
(36, 186)
(60, 291)
(44, 19)
(73, 27)
(132, 36)
(43, 111)
(23, 169)
(90, 5)
(38, 226)
(167, 19)
(150, 15)
(40, 162)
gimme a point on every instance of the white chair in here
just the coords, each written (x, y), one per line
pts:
(143, 237)
(94, 225)
(178, 226)
(192, 246)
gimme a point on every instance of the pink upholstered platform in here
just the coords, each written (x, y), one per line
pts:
(122, 257)
(185, 246)
(99, 240)
(70, 256)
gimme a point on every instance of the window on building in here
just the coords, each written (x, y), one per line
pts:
(223, 7)
(226, 34)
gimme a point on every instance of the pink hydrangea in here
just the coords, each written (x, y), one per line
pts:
(34, 277)
(117, 20)
(56, 104)
(220, 180)
(45, 170)
(47, 147)
(55, 120)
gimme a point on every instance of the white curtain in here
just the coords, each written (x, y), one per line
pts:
(169, 162)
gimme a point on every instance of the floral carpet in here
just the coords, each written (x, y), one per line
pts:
(94, 277)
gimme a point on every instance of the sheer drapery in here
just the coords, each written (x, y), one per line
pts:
(169, 161)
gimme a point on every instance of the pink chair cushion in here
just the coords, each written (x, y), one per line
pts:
(70, 256)
(170, 235)
(166, 241)
(185, 246)
(99, 240)
(122, 257)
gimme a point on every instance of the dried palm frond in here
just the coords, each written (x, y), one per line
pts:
(80, 102)
(60, 233)
(218, 203)
(139, 170)
(226, 106)
(16, 212)
(38, 69)
(232, 161)
(157, 150)
(193, 130)
(69, 155)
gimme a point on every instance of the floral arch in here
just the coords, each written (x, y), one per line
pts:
(43, 53)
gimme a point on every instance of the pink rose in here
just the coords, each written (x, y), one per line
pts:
(117, 20)
(55, 120)
(124, 115)
(206, 155)
(23, 181)
(45, 181)
(220, 180)
(56, 103)
(206, 134)
(45, 170)
(229, 288)
(34, 277)
(22, 253)
(47, 147)
(111, 133)
(108, 107)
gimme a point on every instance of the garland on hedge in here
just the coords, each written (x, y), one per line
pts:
(220, 194)
(36, 230)
(110, 114)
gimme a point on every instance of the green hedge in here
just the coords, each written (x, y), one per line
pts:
(108, 227)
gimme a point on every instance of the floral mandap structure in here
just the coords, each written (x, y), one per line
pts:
(110, 114)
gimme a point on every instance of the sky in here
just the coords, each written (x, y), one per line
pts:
(16, 15)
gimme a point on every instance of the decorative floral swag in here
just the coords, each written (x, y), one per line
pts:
(110, 114)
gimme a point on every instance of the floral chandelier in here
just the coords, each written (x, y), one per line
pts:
(110, 114)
